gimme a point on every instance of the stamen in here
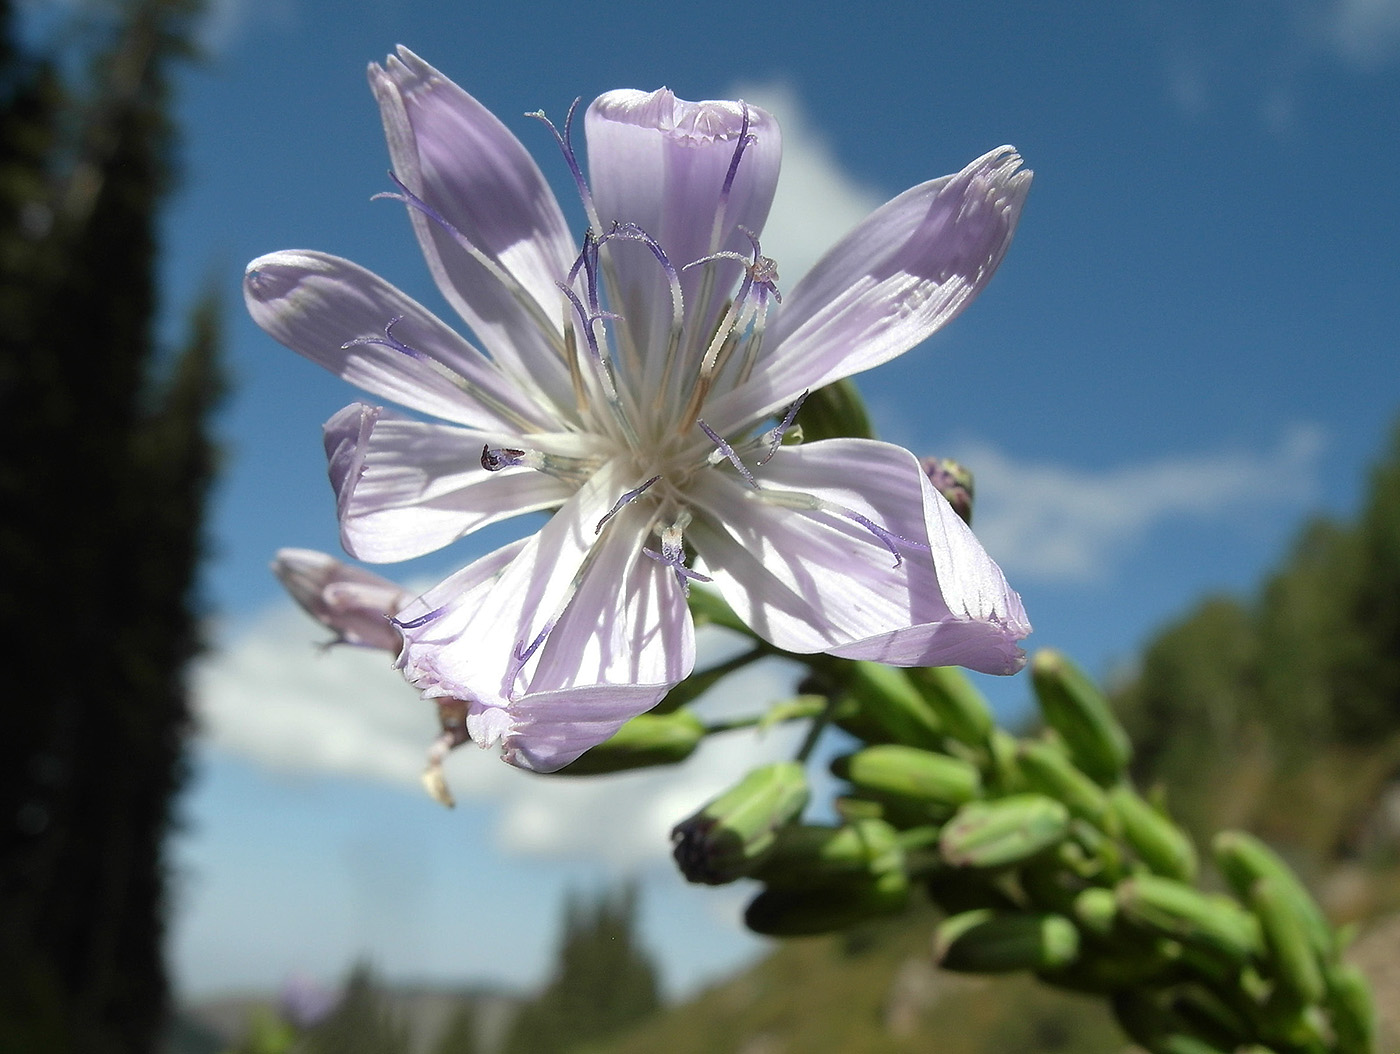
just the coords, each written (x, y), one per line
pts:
(760, 274)
(740, 145)
(626, 499)
(494, 459)
(724, 452)
(420, 621)
(673, 554)
(632, 232)
(775, 437)
(792, 499)
(444, 371)
(566, 146)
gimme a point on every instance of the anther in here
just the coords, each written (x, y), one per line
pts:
(566, 146)
(420, 621)
(775, 437)
(724, 452)
(673, 556)
(626, 499)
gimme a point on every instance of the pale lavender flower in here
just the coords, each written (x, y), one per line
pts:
(623, 384)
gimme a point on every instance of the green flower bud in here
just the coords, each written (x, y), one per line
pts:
(1172, 909)
(805, 911)
(1206, 1015)
(803, 854)
(1286, 937)
(1074, 707)
(728, 837)
(988, 941)
(1244, 860)
(1152, 1026)
(1350, 1007)
(881, 705)
(909, 776)
(644, 741)
(1100, 970)
(1158, 842)
(1096, 909)
(1046, 769)
(834, 412)
(1003, 832)
(961, 708)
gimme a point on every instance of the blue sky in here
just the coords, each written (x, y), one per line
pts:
(1190, 348)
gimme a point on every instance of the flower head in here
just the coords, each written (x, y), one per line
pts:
(626, 383)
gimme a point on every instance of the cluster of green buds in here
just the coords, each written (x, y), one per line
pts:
(1039, 850)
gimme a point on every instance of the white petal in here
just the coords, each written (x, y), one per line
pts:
(820, 581)
(660, 163)
(405, 488)
(472, 171)
(315, 303)
(571, 633)
(909, 268)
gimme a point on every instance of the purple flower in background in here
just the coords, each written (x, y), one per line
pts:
(626, 383)
(353, 603)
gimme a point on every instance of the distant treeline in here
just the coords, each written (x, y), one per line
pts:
(1242, 694)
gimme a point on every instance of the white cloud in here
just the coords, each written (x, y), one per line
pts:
(817, 201)
(1060, 523)
(268, 694)
(1365, 32)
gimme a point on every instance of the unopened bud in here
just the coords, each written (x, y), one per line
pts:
(644, 741)
(1157, 842)
(1046, 769)
(1352, 1012)
(1244, 860)
(1295, 965)
(911, 777)
(1003, 832)
(961, 709)
(881, 705)
(1075, 708)
(728, 837)
(1096, 909)
(803, 854)
(952, 481)
(989, 941)
(354, 604)
(806, 911)
(835, 411)
(1173, 909)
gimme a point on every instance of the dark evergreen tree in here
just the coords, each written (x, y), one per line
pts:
(105, 462)
(603, 981)
(462, 1034)
(362, 1022)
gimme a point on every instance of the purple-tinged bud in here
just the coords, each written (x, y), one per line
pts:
(354, 604)
(954, 482)
(730, 836)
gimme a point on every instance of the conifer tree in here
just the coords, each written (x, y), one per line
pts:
(105, 462)
(603, 980)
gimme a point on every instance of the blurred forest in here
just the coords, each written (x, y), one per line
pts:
(1278, 713)
(105, 463)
